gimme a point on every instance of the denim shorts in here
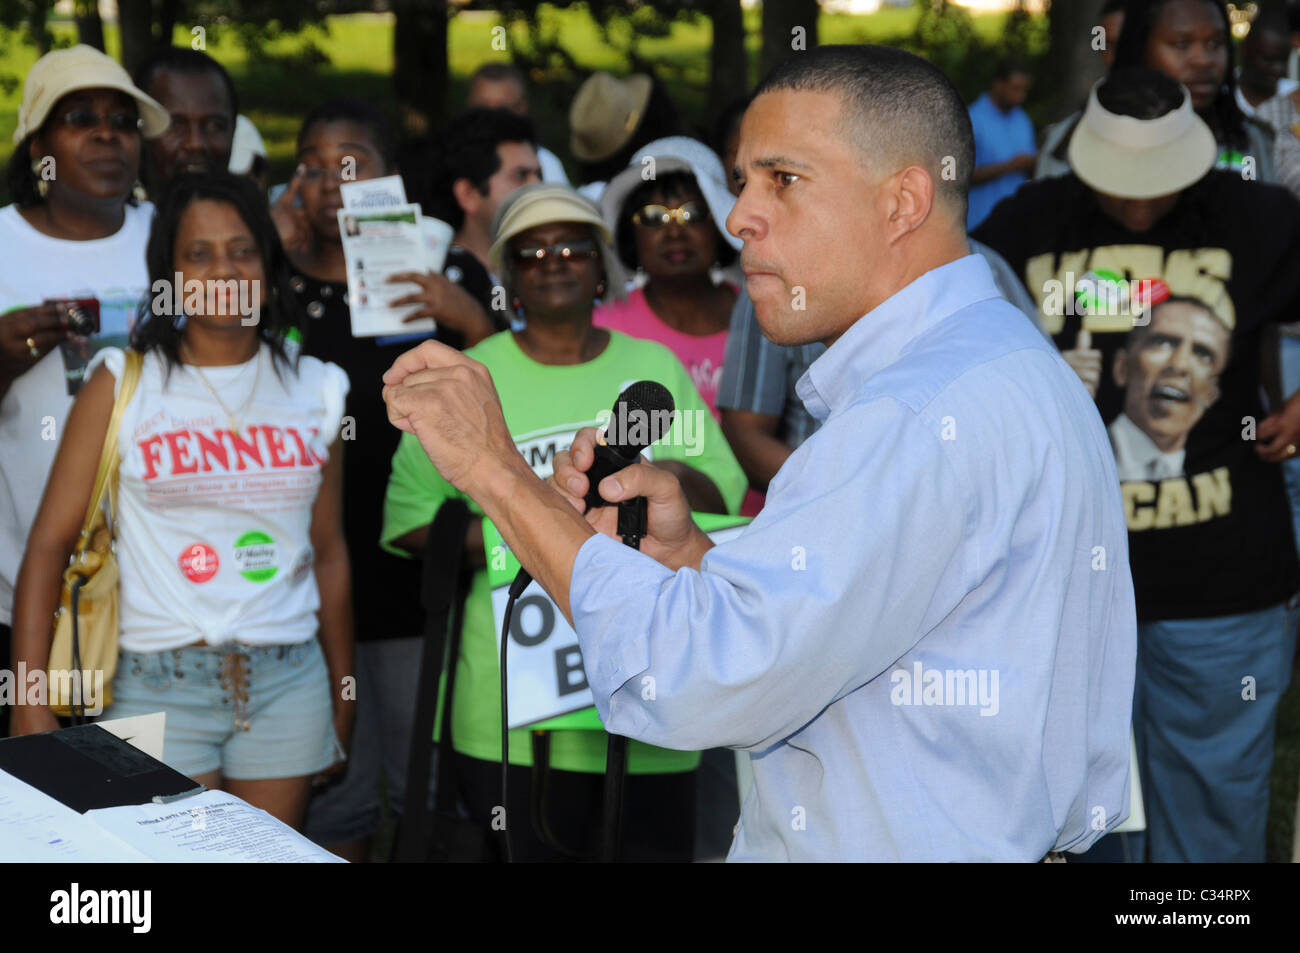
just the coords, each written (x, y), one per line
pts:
(251, 712)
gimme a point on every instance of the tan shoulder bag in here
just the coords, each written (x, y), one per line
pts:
(83, 655)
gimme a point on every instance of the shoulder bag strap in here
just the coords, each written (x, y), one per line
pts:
(108, 461)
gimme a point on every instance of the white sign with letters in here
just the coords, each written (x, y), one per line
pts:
(545, 676)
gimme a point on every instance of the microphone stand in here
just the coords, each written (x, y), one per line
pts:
(632, 527)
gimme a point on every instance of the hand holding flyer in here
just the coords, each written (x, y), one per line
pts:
(384, 235)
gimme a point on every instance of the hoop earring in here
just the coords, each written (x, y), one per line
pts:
(600, 289)
(715, 273)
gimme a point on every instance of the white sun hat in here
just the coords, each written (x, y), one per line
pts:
(673, 154)
(1141, 158)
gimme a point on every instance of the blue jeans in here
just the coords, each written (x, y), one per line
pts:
(1204, 744)
(1291, 468)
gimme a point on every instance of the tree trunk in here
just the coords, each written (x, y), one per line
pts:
(420, 64)
(729, 65)
(90, 28)
(135, 21)
(789, 27)
(38, 29)
(1075, 65)
(165, 28)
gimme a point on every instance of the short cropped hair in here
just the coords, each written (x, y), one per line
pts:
(500, 72)
(364, 114)
(899, 109)
(1010, 67)
(467, 149)
(1140, 92)
(183, 60)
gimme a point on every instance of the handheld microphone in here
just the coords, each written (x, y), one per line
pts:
(642, 414)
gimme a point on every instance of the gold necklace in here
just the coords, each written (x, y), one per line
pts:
(233, 415)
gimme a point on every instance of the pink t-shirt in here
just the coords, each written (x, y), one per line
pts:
(702, 354)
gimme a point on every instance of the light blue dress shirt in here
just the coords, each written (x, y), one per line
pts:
(926, 639)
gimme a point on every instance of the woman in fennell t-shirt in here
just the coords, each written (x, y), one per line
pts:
(235, 618)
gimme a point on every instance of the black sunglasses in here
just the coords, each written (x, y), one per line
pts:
(83, 119)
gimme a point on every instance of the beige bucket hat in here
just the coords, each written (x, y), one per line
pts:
(60, 72)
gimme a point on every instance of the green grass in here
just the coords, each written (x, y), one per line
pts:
(1286, 775)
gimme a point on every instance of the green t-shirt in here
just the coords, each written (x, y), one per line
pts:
(545, 405)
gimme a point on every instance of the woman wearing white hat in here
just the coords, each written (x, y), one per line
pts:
(71, 234)
(667, 211)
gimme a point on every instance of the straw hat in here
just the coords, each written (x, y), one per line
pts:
(542, 204)
(605, 113)
(60, 72)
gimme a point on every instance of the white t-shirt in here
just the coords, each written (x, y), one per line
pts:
(214, 526)
(552, 167)
(34, 267)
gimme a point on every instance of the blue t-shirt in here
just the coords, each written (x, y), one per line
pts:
(999, 136)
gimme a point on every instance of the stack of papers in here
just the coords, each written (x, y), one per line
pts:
(209, 827)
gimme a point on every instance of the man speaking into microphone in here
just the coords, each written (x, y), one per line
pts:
(926, 639)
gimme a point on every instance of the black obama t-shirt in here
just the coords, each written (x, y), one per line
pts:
(1209, 524)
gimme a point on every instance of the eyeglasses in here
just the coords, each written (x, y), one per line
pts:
(578, 249)
(83, 119)
(352, 168)
(657, 216)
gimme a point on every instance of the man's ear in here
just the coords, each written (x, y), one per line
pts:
(911, 200)
(467, 197)
(1119, 369)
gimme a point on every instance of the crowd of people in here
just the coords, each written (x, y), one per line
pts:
(271, 524)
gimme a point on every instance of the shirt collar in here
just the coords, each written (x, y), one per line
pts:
(1136, 455)
(878, 338)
